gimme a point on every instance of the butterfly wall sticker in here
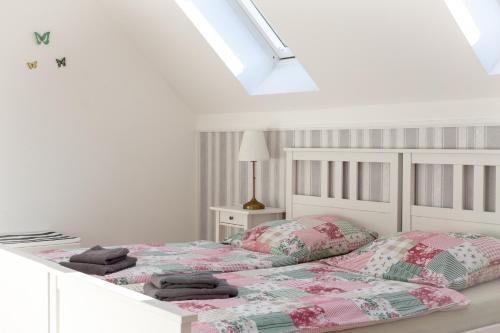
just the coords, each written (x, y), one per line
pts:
(42, 38)
(32, 65)
(61, 62)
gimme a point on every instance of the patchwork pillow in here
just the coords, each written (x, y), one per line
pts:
(308, 238)
(451, 260)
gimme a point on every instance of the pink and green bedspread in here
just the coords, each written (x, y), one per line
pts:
(315, 297)
(185, 257)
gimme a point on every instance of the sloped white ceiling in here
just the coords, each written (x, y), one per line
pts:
(359, 52)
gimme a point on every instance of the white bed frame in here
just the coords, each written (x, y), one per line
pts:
(37, 296)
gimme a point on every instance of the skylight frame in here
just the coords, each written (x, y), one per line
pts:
(262, 25)
(479, 21)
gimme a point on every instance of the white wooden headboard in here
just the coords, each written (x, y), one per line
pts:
(458, 217)
(382, 217)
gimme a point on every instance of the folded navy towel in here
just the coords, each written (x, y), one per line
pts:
(176, 280)
(223, 290)
(94, 269)
(100, 256)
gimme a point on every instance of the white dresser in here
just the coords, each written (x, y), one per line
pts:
(39, 241)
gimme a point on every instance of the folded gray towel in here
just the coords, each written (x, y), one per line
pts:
(100, 256)
(176, 280)
(223, 290)
(196, 298)
(94, 269)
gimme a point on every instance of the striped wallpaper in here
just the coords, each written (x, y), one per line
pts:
(226, 181)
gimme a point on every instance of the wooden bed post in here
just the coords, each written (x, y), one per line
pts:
(408, 190)
(290, 188)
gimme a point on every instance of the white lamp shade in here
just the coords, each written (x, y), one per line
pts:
(253, 147)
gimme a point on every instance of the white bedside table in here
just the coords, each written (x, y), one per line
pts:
(237, 217)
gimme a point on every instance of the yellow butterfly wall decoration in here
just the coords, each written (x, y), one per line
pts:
(32, 65)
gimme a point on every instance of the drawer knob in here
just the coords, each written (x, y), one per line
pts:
(231, 218)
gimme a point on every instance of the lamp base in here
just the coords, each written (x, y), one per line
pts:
(253, 205)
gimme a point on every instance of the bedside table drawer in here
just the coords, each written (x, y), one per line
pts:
(231, 218)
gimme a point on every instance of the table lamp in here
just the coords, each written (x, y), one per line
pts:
(253, 148)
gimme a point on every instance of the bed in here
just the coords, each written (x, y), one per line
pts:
(69, 299)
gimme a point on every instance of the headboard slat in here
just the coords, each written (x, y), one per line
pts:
(497, 189)
(353, 180)
(458, 187)
(339, 180)
(324, 176)
(479, 188)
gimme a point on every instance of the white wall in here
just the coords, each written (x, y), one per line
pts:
(477, 112)
(102, 149)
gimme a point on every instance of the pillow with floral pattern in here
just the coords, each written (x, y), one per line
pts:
(452, 260)
(307, 238)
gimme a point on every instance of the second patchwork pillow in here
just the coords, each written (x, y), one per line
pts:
(451, 260)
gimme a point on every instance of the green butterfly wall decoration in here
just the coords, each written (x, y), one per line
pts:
(61, 62)
(32, 65)
(42, 38)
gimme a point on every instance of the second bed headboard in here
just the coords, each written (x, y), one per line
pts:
(339, 186)
(472, 183)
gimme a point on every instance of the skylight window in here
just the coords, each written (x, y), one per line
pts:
(246, 42)
(479, 21)
(464, 18)
(264, 27)
(212, 36)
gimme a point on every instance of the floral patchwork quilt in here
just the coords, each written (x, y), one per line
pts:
(315, 297)
(185, 257)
